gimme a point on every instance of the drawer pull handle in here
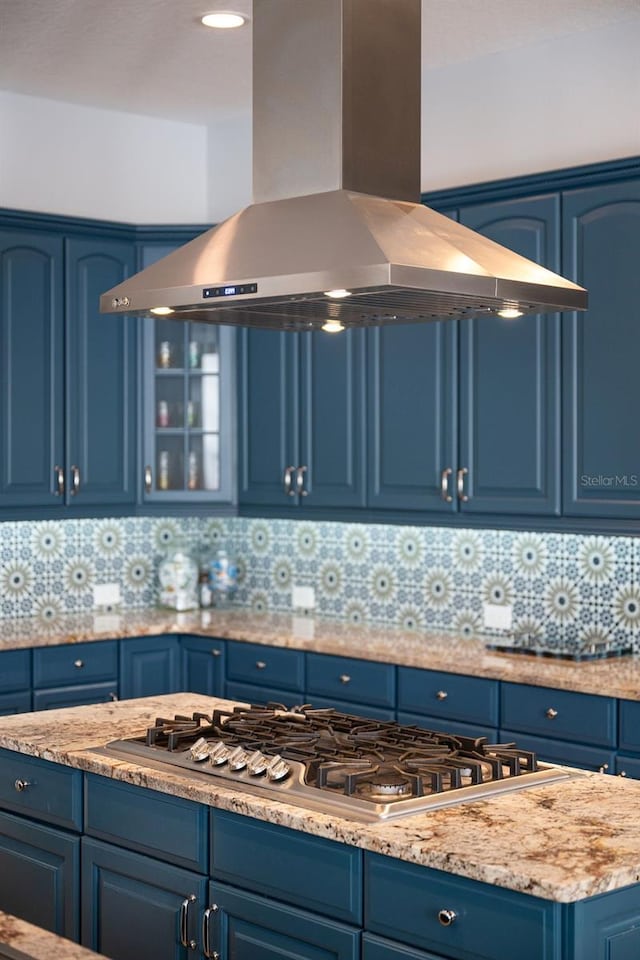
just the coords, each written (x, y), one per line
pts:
(59, 475)
(286, 482)
(345, 678)
(184, 923)
(216, 652)
(441, 695)
(461, 474)
(113, 696)
(75, 480)
(444, 485)
(622, 773)
(261, 665)
(551, 714)
(21, 785)
(79, 664)
(206, 933)
(447, 917)
(603, 768)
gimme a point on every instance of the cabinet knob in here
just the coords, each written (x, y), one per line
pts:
(604, 768)
(444, 485)
(261, 665)
(462, 497)
(345, 678)
(21, 785)
(216, 652)
(78, 664)
(441, 695)
(446, 917)
(551, 714)
(622, 773)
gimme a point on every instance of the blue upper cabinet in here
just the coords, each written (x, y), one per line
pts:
(510, 378)
(100, 383)
(601, 350)
(31, 371)
(302, 419)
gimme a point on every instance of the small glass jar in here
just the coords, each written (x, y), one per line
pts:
(178, 576)
(223, 578)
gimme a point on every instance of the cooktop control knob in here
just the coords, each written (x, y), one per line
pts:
(238, 759)
(257, 763)
(199, 750)
(219, 753)
(277, 768)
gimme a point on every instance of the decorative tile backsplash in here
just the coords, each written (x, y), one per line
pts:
(569, 588)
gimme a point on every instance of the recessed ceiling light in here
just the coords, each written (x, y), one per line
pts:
(223, 20)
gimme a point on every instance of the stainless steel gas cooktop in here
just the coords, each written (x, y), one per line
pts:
(355, 767)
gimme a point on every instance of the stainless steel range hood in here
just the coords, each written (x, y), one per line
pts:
(333, 232)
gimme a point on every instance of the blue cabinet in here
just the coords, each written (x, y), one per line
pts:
(15, 681)
(134, 906)
(377, 948)
(67, 401)
(301, 419)
(149, 666)
(601, 347)
(203, 665)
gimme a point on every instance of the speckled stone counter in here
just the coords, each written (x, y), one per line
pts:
(563, 842)
(38, 943)
(430, 650)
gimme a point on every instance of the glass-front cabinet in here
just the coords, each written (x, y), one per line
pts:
(187, 399)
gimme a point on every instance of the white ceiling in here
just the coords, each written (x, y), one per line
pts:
(153, 57)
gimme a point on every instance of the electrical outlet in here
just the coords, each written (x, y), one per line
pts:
(303, 598)
(106, 594)
(497, 616)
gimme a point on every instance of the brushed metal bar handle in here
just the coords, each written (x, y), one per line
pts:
(206, 933)
(300, 472)
(78, 664)
(551, 714)
(447, 917)
(59, 475)
(287, 481)
(148, 479)
(462, 472)
(441, 695)
(75, 480)
(21, 785)
(184, 922)
(261, 665)
(344, 678)
(444, 485)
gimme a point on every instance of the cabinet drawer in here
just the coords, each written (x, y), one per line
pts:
(375, 948)
(360, 681)
(258, 696)
(244, 851)
(559, 714)
(75, 663)
(403, 902)
(52, 792)
(75, 696)
(630, 726)
(448, 695)
(266, 666)
(561, 751)
(448, 726)
(158, 824)
(355, 709)
(628, 767)
(15, 670)
(15, 703)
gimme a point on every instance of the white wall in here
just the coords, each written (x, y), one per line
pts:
(558, 104)
(66, 159)
(229, 164)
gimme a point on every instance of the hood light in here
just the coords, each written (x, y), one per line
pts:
(223, 20)
(337, 294)
(332, 326)
(510, 313)
(161, 311)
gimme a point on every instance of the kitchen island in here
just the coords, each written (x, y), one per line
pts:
(557, 865)
(33, 943)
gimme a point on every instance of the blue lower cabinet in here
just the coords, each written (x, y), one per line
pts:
(267, 666)
(258, 695)
(313, 873)
(203, 665)
(40, 875)
(629, 737)
(346, 706)
(450, 696)
(15, 702)
(559, 714)
(456, 917)
(345, 678)
(245, 926)
(376, 948)
(150, 666)
(448, 726)
(40, 789)
(607, 926)
(628, 767)
(75, 696)
(15, 670)
(563, 751)
(134, 908)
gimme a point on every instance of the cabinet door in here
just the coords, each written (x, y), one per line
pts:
(268, 417)
(249, 927)
(203, 665)
(150, 666)
(332, 419)
(412, 401)
(101, 363)
(510, 378)
(31, 368)
(131, 904)
(601, 349)
(40, 874)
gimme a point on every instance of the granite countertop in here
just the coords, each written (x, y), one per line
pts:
(563, 841)
(39, 944)
(619, 677)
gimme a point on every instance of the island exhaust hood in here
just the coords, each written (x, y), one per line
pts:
(335, 232)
